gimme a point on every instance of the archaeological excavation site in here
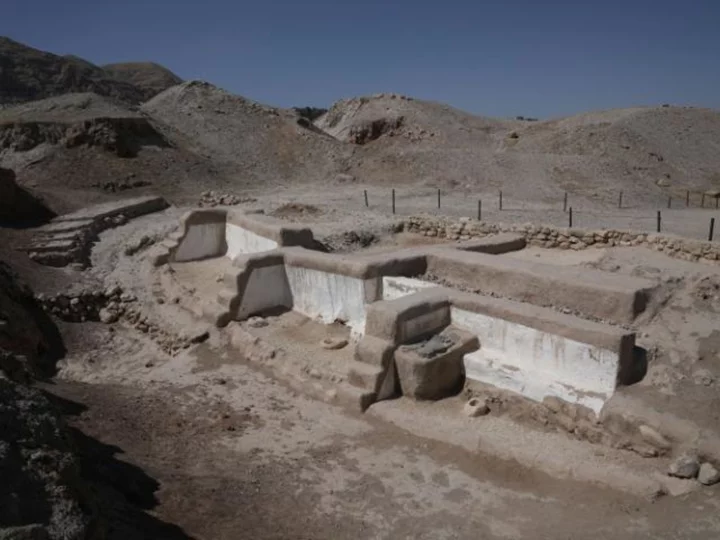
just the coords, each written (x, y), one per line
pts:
(387, 319)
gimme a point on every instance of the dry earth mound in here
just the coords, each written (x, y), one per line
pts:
(646, 152)
(89, 143)
(149, 77)
(264, 143)
(639, 149)
(29, 74)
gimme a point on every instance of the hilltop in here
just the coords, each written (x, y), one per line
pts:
(149, 77)
(30, 74)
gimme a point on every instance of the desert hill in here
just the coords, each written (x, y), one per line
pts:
(262, 144)
(643, 151)
(194, 136)
(149, 77)
(28, 74)
(75, 149)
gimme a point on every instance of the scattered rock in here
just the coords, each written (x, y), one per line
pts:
(209, 199)
(333, 343)
(199, 337)
(476, 407)
(703, 377)
(653, 437)
(256, 322)
(708, 474)
(107, 316)
(685, 466)
(136, 247)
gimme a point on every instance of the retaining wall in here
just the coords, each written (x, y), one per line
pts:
(533, 351)
(594, 293)
(564, 238)
(211, 233)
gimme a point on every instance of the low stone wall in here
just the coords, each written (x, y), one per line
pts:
(530, 350)
(563, 238)
(595, 294)
(210, 233)
(68, 239)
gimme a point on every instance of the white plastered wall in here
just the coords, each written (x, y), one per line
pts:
(201, 241)
(527, 361)
(328, 297)
(266, 288)
(240, 240)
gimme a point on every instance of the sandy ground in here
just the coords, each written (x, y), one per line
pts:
(346, 202)
(235, 454)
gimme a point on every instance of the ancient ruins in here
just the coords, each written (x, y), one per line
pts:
(411, 335)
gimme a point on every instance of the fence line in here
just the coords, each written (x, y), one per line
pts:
(667, 221)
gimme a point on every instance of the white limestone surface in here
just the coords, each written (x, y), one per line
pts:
(328, 297)
(201, 241)
(525, 360)
(397, 287)
(266, 288)
(240, 240)
(537, 364)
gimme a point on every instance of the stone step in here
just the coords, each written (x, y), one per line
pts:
(52, 245)
(354, 398)
(364, 376)
(225, 297)
(53, 258)
(64, 227)
(215, 314)
(230, 277)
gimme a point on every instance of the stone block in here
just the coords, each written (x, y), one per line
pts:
(433, 369)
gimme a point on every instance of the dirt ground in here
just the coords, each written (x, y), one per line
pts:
(227, 452)
(205, 445)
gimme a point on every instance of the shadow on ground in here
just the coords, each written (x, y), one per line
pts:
(122, 492)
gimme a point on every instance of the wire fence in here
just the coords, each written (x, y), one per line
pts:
(692, 215)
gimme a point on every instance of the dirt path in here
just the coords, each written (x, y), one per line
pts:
(225, 452)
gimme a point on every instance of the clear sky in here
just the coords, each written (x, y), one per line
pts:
(500, 58)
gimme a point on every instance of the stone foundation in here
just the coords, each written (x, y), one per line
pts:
(563, 238)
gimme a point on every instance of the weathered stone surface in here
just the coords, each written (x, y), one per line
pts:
(550, 237)
(476, 407)
(685, 466)
(703, 377)
(333, 343)
(653, 437)
(708, 475)
(107, 316)
(438, 375)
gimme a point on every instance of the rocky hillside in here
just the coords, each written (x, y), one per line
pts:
(149, 77)
(28, 74)
(647, 152)
(78, 149)
(42, 494)
(265, 145)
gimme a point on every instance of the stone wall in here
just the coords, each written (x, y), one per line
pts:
(563, 238)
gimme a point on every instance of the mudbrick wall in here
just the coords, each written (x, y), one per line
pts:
(563, 238)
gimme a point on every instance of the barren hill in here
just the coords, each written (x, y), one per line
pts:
(28, 74)
(262, 144)
(149, 77)
(643, 151)
(80, 148)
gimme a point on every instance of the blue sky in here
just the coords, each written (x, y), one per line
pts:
(498, 58)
